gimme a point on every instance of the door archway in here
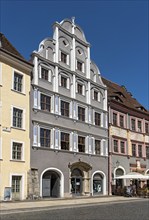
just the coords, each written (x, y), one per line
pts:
(76, 181)
(97, 184)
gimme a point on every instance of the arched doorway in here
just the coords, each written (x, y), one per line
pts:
(50, 184)
(76, 181)
(97, 184)
(119, 182)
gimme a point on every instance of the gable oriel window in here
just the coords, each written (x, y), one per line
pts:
(16, 151)
(139, 126)
(81, 113)
(80, 66)
(81, 144)
(64, 57)
(17, 118)
(115, 119)
(133, 124)
(64, 81)
(65, 108)
(146, 127)
(97, 147)
(44, 137)
(95, 95)
(80, 88)
(45, 103)
(18, 81)
(121, 121)
(97, 119)
(44, 73)
(64, 141)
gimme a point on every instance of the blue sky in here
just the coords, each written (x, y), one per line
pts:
(117, 31)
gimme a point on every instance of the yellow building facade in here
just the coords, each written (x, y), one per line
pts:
(14, 122)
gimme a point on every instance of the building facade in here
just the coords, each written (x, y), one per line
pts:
(14, 122)
(69, 128)
(128, 136)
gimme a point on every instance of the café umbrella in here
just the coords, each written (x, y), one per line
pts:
(133, 175)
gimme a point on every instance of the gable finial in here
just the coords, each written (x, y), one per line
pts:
(73, 20)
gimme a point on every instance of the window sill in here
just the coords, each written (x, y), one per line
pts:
(21, 93)
(20, 161)
(21, 129)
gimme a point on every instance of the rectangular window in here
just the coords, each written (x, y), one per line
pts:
(17, 151)
(45, 103)
(63, 57)
(97, 119)
(133, 126)
(115, 119)
(64, 141)
(122, 147)
(63, 81)
(147, 152)
(139, 150)
(17, 82)
(146, 128)
(79, 66)
(65, 108)
(116, 146)
(96, 95)
(81, 113)
(97, 147)
(17, 118)
(44, 137)
(44, 73)
(121, 121)
(81, 144)
(134, 150)
(80, 88)
(139, 126)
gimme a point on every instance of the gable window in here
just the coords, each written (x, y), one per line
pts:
(146, 128)
(45, 103)
(116, 146)
(95, 95)
(81, 113)
(63, 57)
(147, 152)
(97, 119)
(81, 144)
(17, 85)
(65, 108)
(63, 81)
(17, 118)
(133, 126)
(122, 147)
(79, 66)
(121, 121)
(44, 73)
(17, 151)
(44, 137)
(64, 141)
(139, 126)
(114, 119)
(80, 88)
(134, 150)
(97, 147)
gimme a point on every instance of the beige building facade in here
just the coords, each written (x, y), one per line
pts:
(14, 122)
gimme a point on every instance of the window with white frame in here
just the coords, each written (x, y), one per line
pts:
(97, 119)
(98, 147)
(64, 80)
(139, 126)
(64, 108)
(64, 57)
(17, 151)
(80, 88)
(45, 73)
(80, 66)
(81, 144)
(115, 145)
(64, 141)
(45, 137)
(115, 120)
(45, 102)
(17, 118)
(133, 124)
(81, 113)
(18, 82)
(122, 147)
(119, 146)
